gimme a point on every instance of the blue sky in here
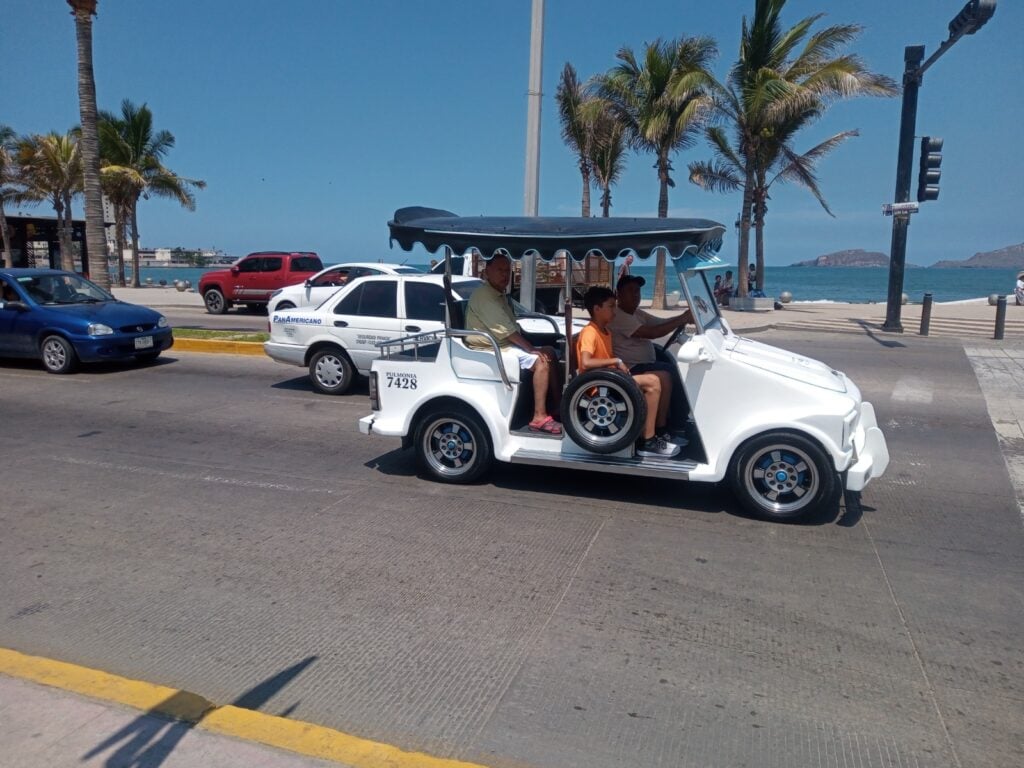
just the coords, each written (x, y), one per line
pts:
(312, 121)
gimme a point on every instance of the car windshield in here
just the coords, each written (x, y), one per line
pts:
(408, 271)
(703, 304)
(464, 288)
(63, 288)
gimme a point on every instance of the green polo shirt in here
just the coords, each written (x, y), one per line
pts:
(489, 310)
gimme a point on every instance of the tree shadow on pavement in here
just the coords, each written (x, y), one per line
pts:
(150, 738)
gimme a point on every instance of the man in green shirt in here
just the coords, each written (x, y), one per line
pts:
(489, 310)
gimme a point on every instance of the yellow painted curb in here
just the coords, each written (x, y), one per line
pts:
(291, 735)
(219, 345)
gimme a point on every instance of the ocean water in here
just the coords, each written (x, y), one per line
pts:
(842, 284)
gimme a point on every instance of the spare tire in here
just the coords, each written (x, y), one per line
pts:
(603, 411)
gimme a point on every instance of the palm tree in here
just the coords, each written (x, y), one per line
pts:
(783, 81)
(8, 178)
(133, 164)
(662, 102)
(608, 150)
(50, 168)
(83, 11)
(571, 96)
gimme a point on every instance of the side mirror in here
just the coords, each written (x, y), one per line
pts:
(695, 351)
(308, 282)
(234, 270)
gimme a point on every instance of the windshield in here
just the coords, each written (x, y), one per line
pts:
(464, 288)
(62, 289)
(702, 302)
(408, 271)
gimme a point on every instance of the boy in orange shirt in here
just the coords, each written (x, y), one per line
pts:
(594, 351)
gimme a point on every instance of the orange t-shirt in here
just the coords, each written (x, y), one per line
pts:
(594, 341)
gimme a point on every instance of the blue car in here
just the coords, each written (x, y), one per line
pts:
(63, 319)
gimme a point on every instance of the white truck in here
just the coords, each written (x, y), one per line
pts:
(786, 432)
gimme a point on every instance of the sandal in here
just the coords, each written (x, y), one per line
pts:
(547, 425)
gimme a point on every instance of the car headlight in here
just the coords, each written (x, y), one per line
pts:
(162, 322)
(99, 329)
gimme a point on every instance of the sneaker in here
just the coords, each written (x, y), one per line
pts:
(657, 447)
(671, 439)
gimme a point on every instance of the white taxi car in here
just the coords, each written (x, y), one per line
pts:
(325, 282)
(338, 339)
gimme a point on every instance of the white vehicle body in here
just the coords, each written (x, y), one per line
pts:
(339, 338)
(323, 284)
(782, 428)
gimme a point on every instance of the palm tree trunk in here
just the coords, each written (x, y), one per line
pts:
(658, 299)
(119, 213)
(136, 283)
(67, 258)
(8, 260)
(606, 201)
(744, 247)
(63, 231)
(96, 242)
(760, 209)
(585, 208)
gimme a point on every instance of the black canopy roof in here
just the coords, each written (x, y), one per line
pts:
(519, 236)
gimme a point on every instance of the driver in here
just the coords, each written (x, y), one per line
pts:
(7, 293)
(633, 331)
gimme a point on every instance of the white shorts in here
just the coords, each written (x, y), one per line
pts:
(525, 359)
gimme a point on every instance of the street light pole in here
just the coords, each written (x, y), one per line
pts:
(531, 181)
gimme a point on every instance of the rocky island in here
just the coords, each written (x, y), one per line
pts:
(853, 258)
(1010, 257)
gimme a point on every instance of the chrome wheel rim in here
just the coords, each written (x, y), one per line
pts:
(781, 479)
(449, 447)
(601, 411)
(55, 356)
(214, 300)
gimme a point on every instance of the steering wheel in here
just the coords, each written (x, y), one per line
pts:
(675, 336)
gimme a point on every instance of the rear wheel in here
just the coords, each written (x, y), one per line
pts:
(453, 446)
(58, 355)
(215, 302)
(331, 371)
(603, 411)
(782, 476)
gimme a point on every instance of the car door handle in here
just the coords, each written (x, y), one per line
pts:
(340, 324)
(413, 328)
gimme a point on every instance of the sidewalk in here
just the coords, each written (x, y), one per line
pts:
(962, 319)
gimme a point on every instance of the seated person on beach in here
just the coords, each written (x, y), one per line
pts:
(489, 310)
(594, 350)
(633, 331)
(1018, 291)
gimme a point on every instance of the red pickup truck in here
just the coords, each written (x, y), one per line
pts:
(251, 280)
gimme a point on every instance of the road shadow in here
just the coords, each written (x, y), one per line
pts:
(360, 387)
(600, 487)
(104, 368)
(149, 739)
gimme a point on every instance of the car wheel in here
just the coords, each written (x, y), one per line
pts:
(782, 476)
(603, 411)
(453, 446)
(58, 355)
(215, 302)
(331, 371)
(284, 305)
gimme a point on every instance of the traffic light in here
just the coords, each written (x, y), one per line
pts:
(928, 175)
(972, 17)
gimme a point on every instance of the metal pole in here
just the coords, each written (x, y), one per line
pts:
(1000, 318)
(531, 183)
(912, 56)
(926, 314)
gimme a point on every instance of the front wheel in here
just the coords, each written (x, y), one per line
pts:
(782, 476)
(331, 372)
(58, 355)
(215, 302)
(283, 306)
(453, 446)
(603, 411)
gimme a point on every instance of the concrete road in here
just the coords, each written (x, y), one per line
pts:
(209, 523)
(235, 320)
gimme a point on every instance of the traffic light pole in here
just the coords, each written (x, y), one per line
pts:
(912, 57)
